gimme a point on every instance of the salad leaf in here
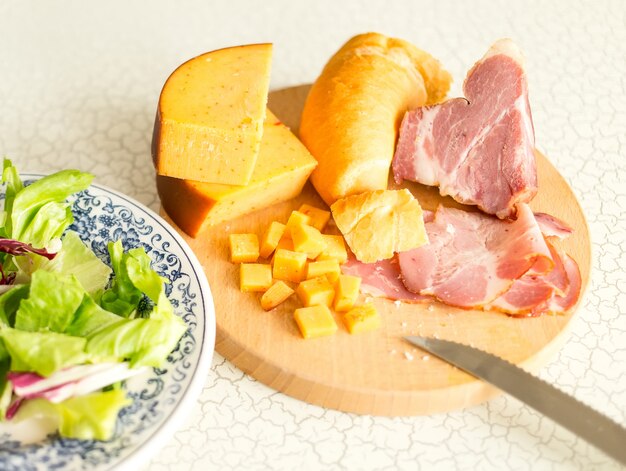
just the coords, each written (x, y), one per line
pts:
(14, 185)
(52, 301)
(144, 342)
(91, 318)
(123, 297)
(10, 302)
(92, 416)
(88, 417)
(42, 352)
(5, 387)
(39, 212)
(74, 257)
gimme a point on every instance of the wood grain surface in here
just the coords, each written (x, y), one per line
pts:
(377, 372)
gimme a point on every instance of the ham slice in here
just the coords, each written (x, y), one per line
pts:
(537, 291)
(552, 226)
(381, 279)
(529, 294)
(478, 149)
(473, 258)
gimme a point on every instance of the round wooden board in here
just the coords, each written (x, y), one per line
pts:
(377, 372)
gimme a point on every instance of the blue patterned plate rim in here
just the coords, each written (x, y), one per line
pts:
(140, 454)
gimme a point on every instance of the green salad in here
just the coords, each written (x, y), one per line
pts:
(70, 326)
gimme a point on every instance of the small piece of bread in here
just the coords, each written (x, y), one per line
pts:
(376, 224)
(352, 114)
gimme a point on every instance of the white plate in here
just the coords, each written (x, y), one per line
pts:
(161, 398)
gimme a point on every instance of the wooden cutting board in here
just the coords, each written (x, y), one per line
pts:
(377, 372)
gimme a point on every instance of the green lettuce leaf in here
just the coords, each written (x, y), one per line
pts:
(10, 302)
(90, 319)
(42, 352)
(52, 301)
(143, 342)
(123, 297)
(89, 417)
(14, 185)
(74, 257)
(5, 387)
(39, 212)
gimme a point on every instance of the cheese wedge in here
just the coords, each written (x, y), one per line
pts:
(210, 116)
(282, 169)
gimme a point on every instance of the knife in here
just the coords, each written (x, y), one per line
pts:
(595, 428)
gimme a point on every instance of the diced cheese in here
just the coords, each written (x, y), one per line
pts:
(346, 292)
(210, 116)
(316, 291)
(271, 238)
(315, 321)
(319, 217)
(288, 265)
(243, 247)
(282, 169)
(296, 218)
(307, 239)
(335, 249)
(378, 223)
(255, 276)
(362, 319)
(278, 293)
(328, 268)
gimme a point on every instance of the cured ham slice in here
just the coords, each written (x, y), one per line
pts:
(382, 279)
(553, 227)
(529, 294)
(478, 149)
(473, 258)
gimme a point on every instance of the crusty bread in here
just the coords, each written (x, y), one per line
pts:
(377, 224)
(352, 113)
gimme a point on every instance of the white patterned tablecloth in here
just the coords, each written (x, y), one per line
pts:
(79, 83)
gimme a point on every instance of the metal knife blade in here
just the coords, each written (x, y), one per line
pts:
(565, 410)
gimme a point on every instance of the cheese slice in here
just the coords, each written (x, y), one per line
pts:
(282, 169)
(210, 116)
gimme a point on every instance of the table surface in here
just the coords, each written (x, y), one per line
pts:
(79, 83)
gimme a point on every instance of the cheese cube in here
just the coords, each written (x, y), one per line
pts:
(282, 169)
(346, 292)
(285, 243)
(316, 291)
(296, 218)
(307, 239)
(288, 265)
(271, 238)
(362, 319)
(319, 217)
(315, 321)
(243, 247)
(210, 116)
(335, 249)
(255, 276)
(328, 268)
(277, 294)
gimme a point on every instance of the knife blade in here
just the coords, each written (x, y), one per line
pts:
(577, 417)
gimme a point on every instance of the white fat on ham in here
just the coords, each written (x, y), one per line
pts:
(480, 149)
(478, 261)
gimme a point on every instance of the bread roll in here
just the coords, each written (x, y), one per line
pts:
(352, 113)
